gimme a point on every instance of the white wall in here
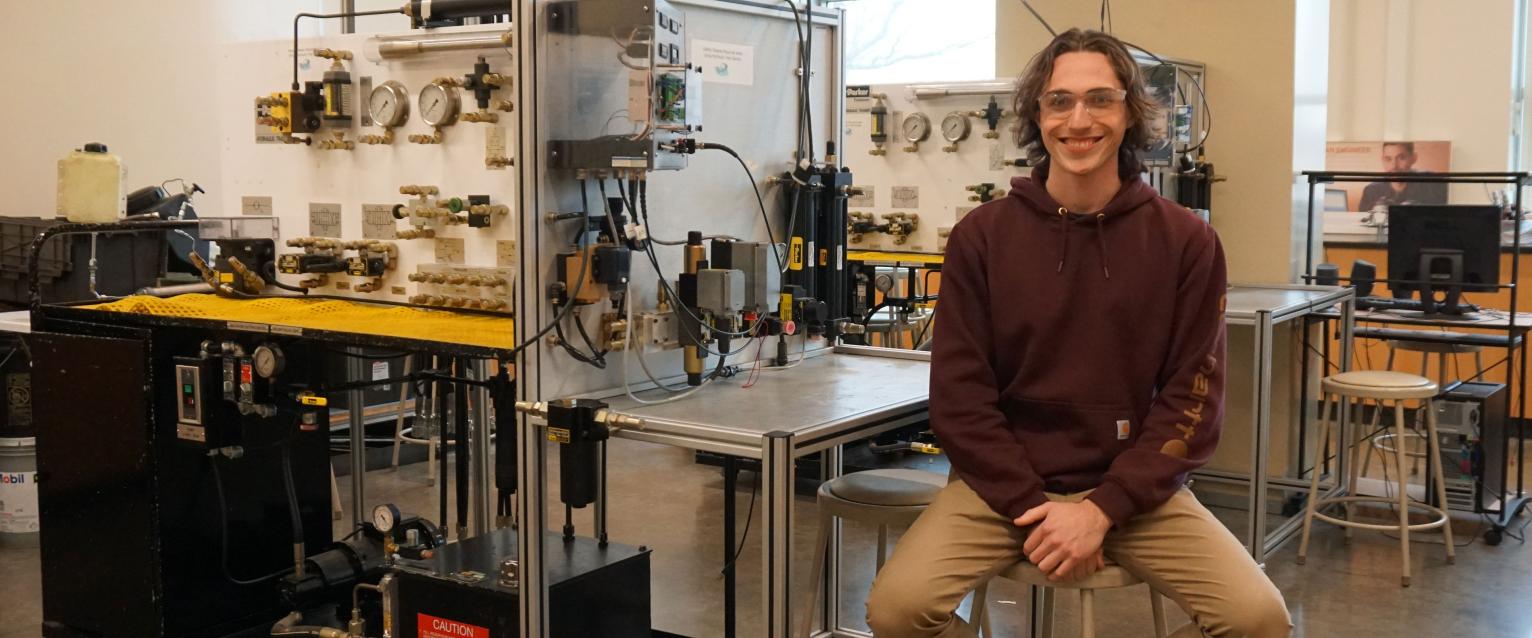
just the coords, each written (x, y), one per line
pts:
(137, 75)
(1425, 70)
(1267, 116)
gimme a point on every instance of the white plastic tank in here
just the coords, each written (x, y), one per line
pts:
(18, 492)
(91, 186)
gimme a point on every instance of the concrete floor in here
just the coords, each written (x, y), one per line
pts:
(1342, 590)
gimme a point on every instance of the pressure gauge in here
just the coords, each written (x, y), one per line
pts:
(438, 105)
(385, 517)
(956, 127)
(269, 361)
(389, 104)
(916, 127)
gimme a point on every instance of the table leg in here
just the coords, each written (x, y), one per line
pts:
(730, 484)
(532, 471)
(1260, 433)
(832, 465)
(777, 507)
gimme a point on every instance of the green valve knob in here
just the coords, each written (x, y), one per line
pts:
(455, 205)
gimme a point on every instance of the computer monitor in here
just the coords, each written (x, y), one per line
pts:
(1335, 200)
(1455, 249)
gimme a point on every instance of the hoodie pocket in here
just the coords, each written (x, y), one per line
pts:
(1077, 435)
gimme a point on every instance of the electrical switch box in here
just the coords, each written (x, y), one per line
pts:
(721, 292)
(197, 404)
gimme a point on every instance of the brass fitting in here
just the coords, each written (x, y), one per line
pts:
(457, 279)
(950, 148)
(416, 233)
(371, 285)
(878, 152)
(333, 54)
(436, 278)
(490, 209)
(489, 117)
(434, 138)
(252, 280)
(992, 135)
(315, 282)
(338, 143)
(448, 81)
(386, 138)
(914, 147)
(498, 162)
(417, 277)
(413, 189)
(426, 300)
(495, 79)
(491, 304)
(505, 105)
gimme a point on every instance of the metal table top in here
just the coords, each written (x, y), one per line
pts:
(826, 398)
(1282, 301)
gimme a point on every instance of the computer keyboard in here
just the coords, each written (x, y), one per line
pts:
(1389, 303)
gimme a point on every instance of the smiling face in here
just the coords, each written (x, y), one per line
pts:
(1080, 141)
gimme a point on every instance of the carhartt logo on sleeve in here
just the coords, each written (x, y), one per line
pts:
(1124, 428)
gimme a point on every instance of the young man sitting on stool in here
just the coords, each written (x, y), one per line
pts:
(1077, 374)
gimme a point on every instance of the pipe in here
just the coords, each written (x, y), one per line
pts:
(179, 289)
(396, 47)
(929, 91)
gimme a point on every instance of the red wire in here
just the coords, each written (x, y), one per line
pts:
(755, 373)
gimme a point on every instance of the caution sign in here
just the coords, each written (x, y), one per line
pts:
(429, 626)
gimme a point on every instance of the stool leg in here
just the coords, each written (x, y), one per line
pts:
(1441, 370)
(1087, 613)
(1390, 364)
(1048, 594)
(1478, 365)
(821, 548)
(882, 545)
(431, 462)
(1361, 453)
(1404, 494)
(1157, 607)
(1441, 485)
(335, 508)
(1308, 513)
(978, 614)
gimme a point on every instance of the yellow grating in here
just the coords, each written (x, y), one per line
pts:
(904, 258)
(333, 315)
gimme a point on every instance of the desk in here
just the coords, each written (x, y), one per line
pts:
(831, 399)
(1515, 326)
(1262, 307)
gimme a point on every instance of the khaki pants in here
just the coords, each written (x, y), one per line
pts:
(1179, 549)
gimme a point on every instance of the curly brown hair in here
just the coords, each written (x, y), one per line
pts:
(1142, 111)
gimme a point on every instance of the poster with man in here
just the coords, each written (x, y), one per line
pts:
(1386, 157)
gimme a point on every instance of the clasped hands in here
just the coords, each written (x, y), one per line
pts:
(1066, 540)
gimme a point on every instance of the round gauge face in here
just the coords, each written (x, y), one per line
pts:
(268, 361)
(389, 104)
(438, 105)
(385, 517)
(956, 127)
(916, 127)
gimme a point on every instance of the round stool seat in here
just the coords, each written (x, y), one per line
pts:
(1436, 347)
(890, 488)
(1110, 577)
(1380, 384)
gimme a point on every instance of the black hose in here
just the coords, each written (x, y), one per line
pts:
(223, 531)
(441, 452)
(327, 16)
(271, 277)
(460, 400)
(292, 493)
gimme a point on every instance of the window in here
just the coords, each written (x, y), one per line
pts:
(889, 41)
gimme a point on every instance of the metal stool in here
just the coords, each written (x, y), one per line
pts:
(1384, 443)
(1380, 386)
(883, 497)
(1110, 577)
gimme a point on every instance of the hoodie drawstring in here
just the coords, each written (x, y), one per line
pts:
(1063, 228)
(1101, 241)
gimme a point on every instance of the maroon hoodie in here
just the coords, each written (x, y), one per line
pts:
(1077, 351)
